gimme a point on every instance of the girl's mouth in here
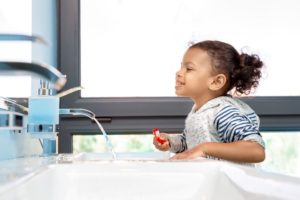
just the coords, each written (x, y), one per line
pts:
(179, 84)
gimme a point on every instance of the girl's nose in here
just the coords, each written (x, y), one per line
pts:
(178, 73)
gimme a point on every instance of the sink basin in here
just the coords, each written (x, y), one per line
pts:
(149, 179)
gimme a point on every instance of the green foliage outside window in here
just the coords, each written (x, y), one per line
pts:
(282, 148)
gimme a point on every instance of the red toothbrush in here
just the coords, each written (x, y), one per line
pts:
(155, 132)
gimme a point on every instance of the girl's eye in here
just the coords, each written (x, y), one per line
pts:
(188, 69)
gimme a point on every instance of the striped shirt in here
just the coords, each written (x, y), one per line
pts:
(223, 119)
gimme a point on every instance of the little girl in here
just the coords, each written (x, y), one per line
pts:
(218, 126)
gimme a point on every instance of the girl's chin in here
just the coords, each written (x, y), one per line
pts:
(180, 94)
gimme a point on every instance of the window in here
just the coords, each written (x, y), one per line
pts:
(282, 152)
(15, 20)
(133, 48)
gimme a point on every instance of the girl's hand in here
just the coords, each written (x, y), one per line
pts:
(164, 146)
(190, 154)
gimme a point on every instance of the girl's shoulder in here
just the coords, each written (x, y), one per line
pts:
(220, 106)
(217, 105)
(225, 101)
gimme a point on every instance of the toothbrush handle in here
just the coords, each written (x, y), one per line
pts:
(155, 132)
(159, 140)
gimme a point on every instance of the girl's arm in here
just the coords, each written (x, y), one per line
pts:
(239, 151)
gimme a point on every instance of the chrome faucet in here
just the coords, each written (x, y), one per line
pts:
(43, 110)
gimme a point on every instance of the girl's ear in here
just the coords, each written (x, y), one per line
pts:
(217, 82)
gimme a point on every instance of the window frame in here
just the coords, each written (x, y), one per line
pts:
(139, 115)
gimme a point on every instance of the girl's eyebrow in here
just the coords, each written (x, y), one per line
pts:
(188, 63)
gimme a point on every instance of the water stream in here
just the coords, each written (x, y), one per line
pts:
(106, 138)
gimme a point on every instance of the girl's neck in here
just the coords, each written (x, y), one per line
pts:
(199, 102)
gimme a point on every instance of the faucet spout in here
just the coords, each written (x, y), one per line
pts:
(44, 71)
(21, 37)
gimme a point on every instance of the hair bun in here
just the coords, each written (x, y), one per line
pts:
(246, 75)
(250, 60)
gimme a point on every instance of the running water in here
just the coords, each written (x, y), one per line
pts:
(107, 140)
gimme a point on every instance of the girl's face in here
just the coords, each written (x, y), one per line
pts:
(195, 75)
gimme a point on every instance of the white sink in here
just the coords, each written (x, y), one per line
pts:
(153, 180)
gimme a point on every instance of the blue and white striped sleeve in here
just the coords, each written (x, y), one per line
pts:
(177, 143)
(232, 126)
